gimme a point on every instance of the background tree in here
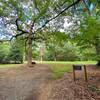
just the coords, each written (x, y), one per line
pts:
(59, 48)
(87, 35)
(16, 52)
(90, 36)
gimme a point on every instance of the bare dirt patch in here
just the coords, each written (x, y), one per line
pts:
(66, 89)
(23, 83)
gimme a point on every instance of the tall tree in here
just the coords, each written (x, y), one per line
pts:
(31, 16)
(87, 34)
(90, 36)
(16, 52)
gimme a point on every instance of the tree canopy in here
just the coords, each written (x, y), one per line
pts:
(31, 18)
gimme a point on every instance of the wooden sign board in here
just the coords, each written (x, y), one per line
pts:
(79, 67)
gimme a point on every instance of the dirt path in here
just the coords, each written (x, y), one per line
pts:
(25, 83)
(36, 83)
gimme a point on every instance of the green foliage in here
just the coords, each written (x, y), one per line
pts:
(90, 36)
(71, 52)
(88, 54)
(59, 48)
(35, 54)
(40, 12)
(4, 51)
(12, 52)
(16, 52)
(15, 55)
(90, 27)
(34, 11)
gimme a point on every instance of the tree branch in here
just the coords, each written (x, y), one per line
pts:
(74, 3)
(18, 28)
(15, 36)
(23, 32)
(86, 6)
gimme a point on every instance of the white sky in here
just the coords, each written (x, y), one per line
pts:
(66, 24)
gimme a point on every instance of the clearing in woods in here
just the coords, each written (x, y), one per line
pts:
(37, 83)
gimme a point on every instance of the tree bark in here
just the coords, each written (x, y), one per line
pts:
(29, 55)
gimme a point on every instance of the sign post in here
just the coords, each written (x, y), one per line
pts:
(74, 74)
(85, 73)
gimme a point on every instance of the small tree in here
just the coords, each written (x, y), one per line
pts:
(16, 52)
(90, 36)
(4, 51)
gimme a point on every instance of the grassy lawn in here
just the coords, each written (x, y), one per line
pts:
(9, 65)
(68, 62)
(59, 68)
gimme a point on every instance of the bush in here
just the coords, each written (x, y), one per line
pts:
(16, 53)
(11, 53)
(88, 54)
(4, 51)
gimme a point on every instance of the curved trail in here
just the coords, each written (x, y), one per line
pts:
(25, 83)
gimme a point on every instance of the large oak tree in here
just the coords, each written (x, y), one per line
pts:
(31, 16)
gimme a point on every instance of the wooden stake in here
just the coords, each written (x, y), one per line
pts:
(85, 73)
(74, 74)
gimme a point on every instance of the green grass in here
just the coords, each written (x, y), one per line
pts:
(58, 68)
(9, 65)
(68, 62)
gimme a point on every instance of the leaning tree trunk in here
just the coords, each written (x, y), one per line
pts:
(29, 53)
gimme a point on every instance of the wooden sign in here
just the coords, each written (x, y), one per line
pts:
(79, 67)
